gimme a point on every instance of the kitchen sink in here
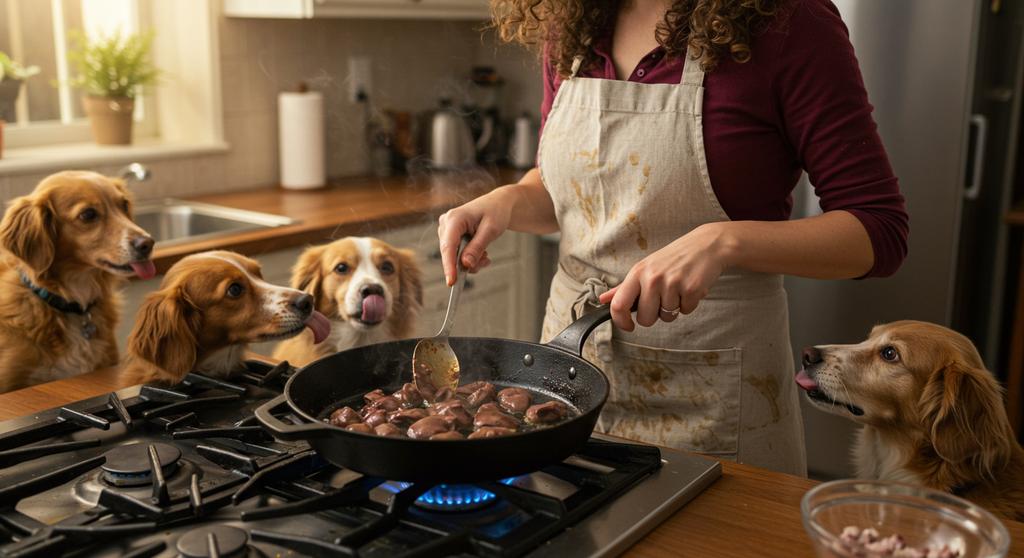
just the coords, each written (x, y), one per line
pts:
(172, 221)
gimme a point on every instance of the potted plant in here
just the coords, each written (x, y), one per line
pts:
(110, 71)
(12, 74)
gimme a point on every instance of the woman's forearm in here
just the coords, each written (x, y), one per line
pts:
(532, 208)
(833, 245)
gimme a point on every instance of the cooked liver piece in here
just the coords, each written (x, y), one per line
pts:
(386, 404)
(389, 430)
(376, 418)
(490, 415)
(344, 417)
(514, 400)
(469, 388)
(483, 395)
(405, 417)
(491, 432)
(421, 377)
(360, 427)
(452, 435)
(409, 396)
(429, 426)
(373, 396)
(444, 394)
(547, 413)
(455, 411)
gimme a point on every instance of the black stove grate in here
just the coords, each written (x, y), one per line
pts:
(234, 476)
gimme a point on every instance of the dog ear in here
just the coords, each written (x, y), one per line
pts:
(307, 275)
(165, 333)
(28, 232)
(964, 417)
(410, 279)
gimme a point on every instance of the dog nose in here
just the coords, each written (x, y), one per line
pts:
(811, 355)
(143, 246)
(303, 304)
(368, 290)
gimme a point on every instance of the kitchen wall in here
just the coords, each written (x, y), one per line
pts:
(413, 63)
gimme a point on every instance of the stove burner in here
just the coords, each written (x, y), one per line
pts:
(128, 465)
(213, 540)
(453, 497)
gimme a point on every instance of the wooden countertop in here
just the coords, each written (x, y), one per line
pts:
(747, 512)
(347, 206)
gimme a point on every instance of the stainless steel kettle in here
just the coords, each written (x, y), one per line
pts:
(451, 141)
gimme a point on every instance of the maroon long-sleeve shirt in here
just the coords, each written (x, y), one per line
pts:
(798, 104)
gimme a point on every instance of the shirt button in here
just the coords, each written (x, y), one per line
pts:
(640, 72)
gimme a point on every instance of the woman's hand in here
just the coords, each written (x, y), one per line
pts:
(674, 278)
(484, 219)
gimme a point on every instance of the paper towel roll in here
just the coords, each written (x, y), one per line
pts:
(301, 139)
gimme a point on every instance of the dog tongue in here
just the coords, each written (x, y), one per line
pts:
(805, 382)
(373, 309)
(319, 325)
(145, 270)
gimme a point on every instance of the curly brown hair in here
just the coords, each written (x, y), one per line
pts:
(569, 27)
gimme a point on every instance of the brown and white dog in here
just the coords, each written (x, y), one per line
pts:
(210, 306)
(67, 247)
(370, 290)
(932, 414)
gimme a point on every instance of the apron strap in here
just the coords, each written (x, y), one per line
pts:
(577, 61)
(693, 72)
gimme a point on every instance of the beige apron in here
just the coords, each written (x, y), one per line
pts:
(624, 163)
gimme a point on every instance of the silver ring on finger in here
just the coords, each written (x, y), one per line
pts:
(669, 312)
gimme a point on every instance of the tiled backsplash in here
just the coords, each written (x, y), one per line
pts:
(413, 64)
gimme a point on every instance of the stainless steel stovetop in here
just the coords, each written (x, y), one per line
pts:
(188, 472)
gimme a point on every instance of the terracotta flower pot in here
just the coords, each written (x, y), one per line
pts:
(111, 119)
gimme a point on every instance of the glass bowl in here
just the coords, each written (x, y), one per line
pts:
(925, 518)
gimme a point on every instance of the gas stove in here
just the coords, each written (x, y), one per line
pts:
(187, 471)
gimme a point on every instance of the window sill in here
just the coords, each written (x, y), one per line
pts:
(85, 155)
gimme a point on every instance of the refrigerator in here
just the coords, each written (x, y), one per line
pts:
(944, 78)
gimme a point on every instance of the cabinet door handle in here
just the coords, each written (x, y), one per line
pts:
(435, 255)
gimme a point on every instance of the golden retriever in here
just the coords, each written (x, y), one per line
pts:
(210, 306)
(67, 247)
(370, 290)
(932, 414)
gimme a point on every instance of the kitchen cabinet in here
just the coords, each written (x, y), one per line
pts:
(497, 302)
(393, 9)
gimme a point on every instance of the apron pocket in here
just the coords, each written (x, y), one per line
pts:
(678, 398)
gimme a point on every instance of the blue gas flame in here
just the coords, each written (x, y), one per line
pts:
(450, 496)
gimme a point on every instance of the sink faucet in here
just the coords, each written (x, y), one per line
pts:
(134, 171)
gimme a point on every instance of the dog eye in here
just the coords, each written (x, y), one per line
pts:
(235, 290)
(88, 215)
(387, 268)
(889, 353)
(341, 268)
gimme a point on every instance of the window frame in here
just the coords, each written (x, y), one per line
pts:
(54, 133)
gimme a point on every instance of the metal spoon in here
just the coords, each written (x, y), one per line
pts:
(434, 364)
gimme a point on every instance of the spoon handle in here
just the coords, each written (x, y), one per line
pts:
(456, 291)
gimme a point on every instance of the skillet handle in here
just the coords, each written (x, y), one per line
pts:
(572, 338)
(282, 430)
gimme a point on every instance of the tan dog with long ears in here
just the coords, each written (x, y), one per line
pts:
(210, 306)
(932, 414)
(370, 290)
(67, 247)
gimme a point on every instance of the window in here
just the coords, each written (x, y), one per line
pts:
(36, 33)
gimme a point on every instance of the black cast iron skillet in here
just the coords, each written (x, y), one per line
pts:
(556, 370)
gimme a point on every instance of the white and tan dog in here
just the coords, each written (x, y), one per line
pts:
(932, 414)
(370, 290)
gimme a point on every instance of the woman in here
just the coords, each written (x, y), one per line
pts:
(674, 134)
